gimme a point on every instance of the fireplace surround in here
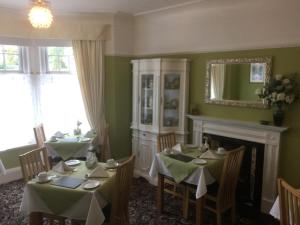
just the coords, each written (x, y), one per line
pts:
(269, 136)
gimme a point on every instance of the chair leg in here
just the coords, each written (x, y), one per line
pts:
(219, 218)
(233, 215)
(35, 218)
(199, 211)
(185, 207)
(160, 193)
(61, 221)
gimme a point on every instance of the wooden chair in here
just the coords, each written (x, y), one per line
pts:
(32, 163)
(223, 198)
(39, 135)
(168, 140)
(119, 210)
(165, 141)
(289, 202)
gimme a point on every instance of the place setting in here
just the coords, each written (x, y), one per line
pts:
(111, 164)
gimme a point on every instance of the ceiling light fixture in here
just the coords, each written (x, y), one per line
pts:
(40, 15)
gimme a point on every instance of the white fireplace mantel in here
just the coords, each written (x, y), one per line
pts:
(254, 132)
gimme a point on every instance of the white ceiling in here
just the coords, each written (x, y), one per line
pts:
(93, 6)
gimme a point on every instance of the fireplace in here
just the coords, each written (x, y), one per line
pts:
(249, 185)
(262, 143)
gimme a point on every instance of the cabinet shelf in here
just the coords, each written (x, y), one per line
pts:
(172, 89)
(148, 108)
(148, 89)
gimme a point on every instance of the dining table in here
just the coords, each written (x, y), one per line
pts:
(83, 203)
(69, 146)
(193, 171)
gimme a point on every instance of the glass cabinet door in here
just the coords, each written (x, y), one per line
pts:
(147, 99)
(171, 100)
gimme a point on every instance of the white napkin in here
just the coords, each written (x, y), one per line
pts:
(208, 155)
(62, 167)
(59, 134)
(99, 171)
(177, 148)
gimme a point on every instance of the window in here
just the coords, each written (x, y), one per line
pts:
(10, 58)
(51, 98)
(59, 59)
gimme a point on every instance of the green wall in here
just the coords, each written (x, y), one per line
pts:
(119, 103)
(285, 61)
(118, 89)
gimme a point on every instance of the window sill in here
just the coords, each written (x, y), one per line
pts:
(24, 147)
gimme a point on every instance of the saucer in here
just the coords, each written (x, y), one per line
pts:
(49, 178)
(91, 184)
(72, 162)
(199, 161)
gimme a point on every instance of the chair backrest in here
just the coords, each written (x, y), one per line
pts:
(119, 212)
(165, 141)
(34, 162)
(289, 201)
(39, 135)
(229, 177)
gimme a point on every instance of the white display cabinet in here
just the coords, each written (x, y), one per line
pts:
(160, 100)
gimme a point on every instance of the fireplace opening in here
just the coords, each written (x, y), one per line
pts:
(249, 187)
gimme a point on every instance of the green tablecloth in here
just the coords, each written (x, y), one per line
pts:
(181, 170)
(66, 148)
(58, 199)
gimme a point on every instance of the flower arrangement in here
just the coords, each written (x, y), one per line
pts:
(77, 131)
(279, 92)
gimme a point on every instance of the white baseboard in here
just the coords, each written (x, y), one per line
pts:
(11, 175)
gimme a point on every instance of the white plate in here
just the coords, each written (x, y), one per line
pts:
(199, 161)
(85, 139)
(115, 165)
(49, 178)
(91, 184)
(72, 162)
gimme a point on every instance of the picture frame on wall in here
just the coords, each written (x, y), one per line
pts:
(257, 72)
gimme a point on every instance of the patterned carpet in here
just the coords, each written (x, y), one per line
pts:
(141, 208)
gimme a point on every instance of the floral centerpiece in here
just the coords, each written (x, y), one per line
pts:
(279, 92)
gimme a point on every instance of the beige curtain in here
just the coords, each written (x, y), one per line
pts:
(89, 58)
(218, 80)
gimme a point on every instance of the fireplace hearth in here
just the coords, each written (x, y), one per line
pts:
(263, 144)
(249, 185)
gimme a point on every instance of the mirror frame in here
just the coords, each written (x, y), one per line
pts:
(250, 104)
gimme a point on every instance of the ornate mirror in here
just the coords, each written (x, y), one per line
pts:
(234, 81)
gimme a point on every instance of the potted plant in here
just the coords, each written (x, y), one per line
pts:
(279, 92)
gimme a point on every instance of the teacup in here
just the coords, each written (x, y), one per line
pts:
(42, 176)
(111, 162)
(220, 150)
(167, 150)
(53, 138)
